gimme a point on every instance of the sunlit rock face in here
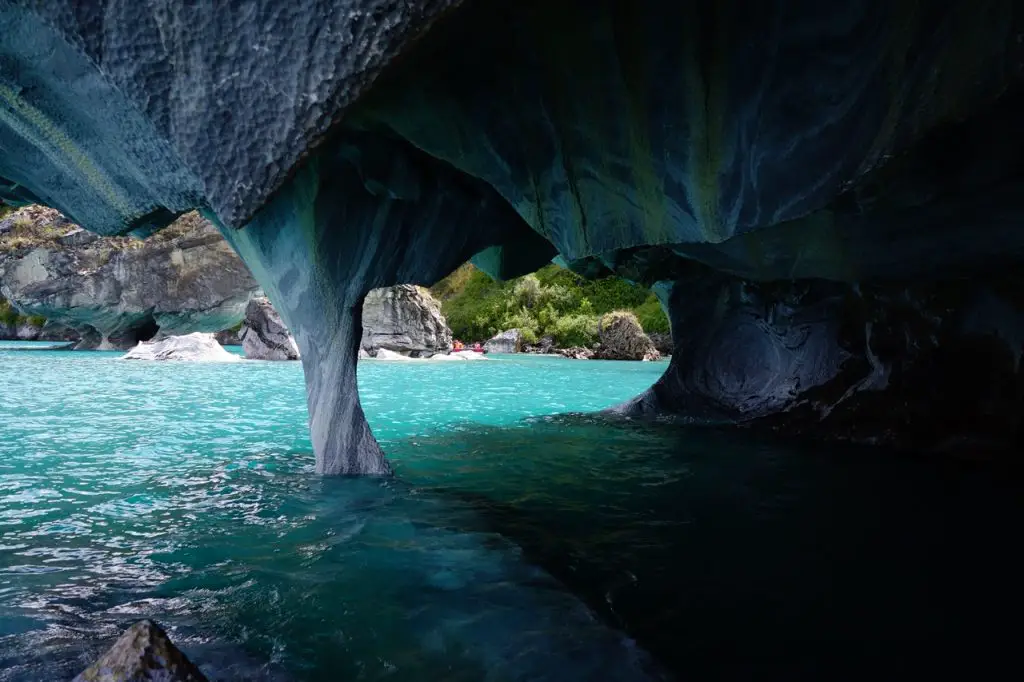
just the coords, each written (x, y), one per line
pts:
(767, 162)
(404, 319)
(116, 292)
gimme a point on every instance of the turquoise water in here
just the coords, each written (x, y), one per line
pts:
(511, 545)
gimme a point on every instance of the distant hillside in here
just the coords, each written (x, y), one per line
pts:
(552, 301)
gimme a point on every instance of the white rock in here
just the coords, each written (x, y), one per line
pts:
(196, 347)
(460, 356)
(385, 354)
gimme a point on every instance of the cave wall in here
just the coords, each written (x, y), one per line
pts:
(928, 365)
(767, 163)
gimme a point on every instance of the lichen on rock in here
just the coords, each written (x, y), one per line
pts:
(622, 338)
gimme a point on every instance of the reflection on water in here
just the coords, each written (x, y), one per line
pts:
(551, 549)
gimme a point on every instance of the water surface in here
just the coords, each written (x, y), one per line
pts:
(511, 545)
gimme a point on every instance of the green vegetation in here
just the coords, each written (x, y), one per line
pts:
(550, 302)
(9, 316)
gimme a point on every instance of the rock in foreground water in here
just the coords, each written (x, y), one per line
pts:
(144, 653)
(264, 335)
(196, 347)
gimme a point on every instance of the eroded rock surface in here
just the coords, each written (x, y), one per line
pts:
(765, 162)
(195, 347)
(263, 334)
(144, 653)
(116, 291)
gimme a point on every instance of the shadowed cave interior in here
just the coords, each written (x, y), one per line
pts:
(827, 199)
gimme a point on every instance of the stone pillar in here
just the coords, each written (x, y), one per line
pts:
(366, 213)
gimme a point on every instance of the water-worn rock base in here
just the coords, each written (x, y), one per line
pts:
(144, 653)
(923, 366)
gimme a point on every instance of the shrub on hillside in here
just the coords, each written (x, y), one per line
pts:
(575, 330)
(651, 316)
(552, 301)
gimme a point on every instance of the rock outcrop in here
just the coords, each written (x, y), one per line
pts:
(577, 353)
(763, 179)
(194, 347)
(622, 338)
(143, 653)
(404, 319)
(263, 334)
(509, 341)
(116, 291)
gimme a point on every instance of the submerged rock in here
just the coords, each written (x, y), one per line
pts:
(404, 319)
(622, 338)
(144, 653)
(195, 347)
(263, 334)
(116, 291)
(509, 341)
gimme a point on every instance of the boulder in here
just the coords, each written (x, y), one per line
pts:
(544, 346)
(508, 341)
(117, 291)
(622, 338)
(195, 347)
(263, 334)
(404, 319)
(576, 353)
(144, 653)
(27, 332)
(385, 354)
(229, 337)
(663, 342)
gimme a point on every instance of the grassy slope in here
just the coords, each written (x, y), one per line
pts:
(552, 301)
